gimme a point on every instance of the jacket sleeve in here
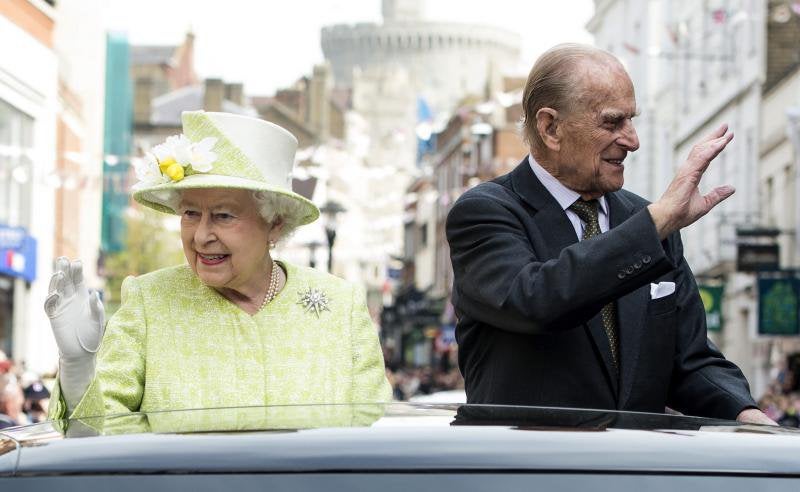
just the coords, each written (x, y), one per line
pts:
(703, 382)
(369, 372)
(501, 279)
(118, 384)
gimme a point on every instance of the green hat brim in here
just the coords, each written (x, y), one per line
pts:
(149, 196)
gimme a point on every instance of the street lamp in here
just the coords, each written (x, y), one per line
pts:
(330, 210)
(312, 253)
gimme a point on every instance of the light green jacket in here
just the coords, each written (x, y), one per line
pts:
(176, 343)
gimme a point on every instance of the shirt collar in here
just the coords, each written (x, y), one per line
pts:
(563, 195)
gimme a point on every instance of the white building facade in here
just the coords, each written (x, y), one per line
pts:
(28, 112)
(51, 128)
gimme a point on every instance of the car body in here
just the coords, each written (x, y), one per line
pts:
(398, 446)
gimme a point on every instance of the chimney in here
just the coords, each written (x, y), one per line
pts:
(319, 108)
(235, 93)
(213, 95)
(180, 69)
(142, 99)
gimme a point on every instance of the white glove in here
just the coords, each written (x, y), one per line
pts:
(77, 320)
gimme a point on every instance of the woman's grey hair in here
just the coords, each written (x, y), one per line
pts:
(273, 207)
(555, 81)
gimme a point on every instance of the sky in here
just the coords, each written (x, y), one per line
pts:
(268, 44)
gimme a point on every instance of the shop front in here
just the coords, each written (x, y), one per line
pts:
(17, 271)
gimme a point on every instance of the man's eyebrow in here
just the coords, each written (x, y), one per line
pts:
(615, 114)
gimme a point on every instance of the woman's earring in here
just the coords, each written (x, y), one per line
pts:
(271, 244)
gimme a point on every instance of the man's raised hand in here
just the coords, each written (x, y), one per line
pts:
(682, 203)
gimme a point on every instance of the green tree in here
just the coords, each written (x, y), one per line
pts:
(149, 245)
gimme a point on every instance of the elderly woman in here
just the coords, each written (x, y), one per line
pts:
(233, 326)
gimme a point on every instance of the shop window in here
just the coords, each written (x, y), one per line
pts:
(16, 165)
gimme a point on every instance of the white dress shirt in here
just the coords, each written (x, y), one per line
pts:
(566, 197)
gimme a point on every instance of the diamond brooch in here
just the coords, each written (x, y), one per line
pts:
(314, 300)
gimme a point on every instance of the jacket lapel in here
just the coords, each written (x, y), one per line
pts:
(558, 233)
(631, 309)
(549, 217)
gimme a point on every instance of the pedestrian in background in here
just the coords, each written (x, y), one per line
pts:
(11, 402)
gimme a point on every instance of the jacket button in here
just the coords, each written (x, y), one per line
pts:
(621, 275)
(629, 270)
(646, 259)
(637, 265)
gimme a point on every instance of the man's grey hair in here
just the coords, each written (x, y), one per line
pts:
(556, 81)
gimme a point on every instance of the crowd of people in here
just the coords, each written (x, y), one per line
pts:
(781, 401)
(23, 395)
(782, 408)
(409, 382)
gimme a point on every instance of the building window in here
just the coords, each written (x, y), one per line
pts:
(423, 235)
(16, 165)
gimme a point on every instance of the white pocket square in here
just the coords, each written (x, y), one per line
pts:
(661, 289)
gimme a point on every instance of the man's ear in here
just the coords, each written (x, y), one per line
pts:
(547, 125)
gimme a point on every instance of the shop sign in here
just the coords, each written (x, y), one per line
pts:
(17, 253)
(758, 257)
(711, 295)
(778, 305)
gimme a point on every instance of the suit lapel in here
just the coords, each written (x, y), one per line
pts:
(556, 229)
(631, 309)
(558, 233)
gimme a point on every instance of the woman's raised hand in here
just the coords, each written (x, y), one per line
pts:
(76, 317)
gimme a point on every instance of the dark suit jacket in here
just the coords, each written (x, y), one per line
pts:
(528, 295)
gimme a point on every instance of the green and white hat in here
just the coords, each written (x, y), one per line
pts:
(220, 150)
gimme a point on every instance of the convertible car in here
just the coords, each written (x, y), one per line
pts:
(398, 447)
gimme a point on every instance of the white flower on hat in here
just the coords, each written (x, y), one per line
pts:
(148, 172)
(178, 152)
(200, 155)
(175, 148)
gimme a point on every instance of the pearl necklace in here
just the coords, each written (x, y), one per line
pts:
(272, 289)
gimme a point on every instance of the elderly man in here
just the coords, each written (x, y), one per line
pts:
(571, 291)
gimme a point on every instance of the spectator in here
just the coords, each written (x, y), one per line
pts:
(11, 401)
(37, 397)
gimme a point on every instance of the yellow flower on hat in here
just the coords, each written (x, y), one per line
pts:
(174, 171)
(177, 153)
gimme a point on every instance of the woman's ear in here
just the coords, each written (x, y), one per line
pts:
(547, 126)
(275, 229)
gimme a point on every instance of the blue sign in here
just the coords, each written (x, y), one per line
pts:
(17, 253)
